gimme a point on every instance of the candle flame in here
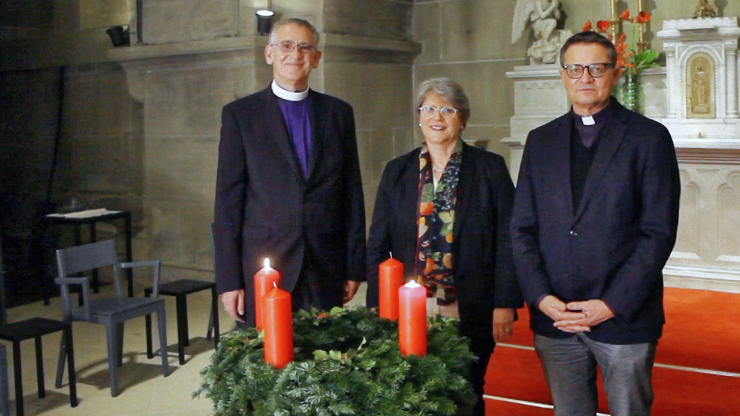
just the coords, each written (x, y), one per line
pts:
(267, 263)
(412, 284)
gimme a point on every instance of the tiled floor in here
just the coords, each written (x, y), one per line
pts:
(143, 389)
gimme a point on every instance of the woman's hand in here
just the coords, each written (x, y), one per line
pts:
(503, 324)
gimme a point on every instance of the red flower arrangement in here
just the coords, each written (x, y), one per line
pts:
(632, 60)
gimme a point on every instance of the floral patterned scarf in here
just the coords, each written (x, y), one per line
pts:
(435, 222)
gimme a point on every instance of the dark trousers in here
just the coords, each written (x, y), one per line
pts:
(316, 287)
(482, 347)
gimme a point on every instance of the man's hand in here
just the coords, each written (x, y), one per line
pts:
(595, 311)
(234, 304)
(350, 289)
(558, 311)
(503, 324)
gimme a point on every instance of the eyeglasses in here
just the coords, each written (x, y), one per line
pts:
(447, 112)
(288, 47)
(575, 71)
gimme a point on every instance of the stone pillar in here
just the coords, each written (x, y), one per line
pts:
(673, 85)
(732, 82)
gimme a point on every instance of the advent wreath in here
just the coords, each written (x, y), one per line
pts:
(347, 362)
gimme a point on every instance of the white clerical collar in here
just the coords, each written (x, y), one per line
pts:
(588, 121)
(288, 95)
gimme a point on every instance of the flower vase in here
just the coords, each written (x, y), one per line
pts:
(630, 90)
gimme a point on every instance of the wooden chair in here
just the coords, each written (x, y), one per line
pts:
(112, 311)
(23, 330)
(180, 289)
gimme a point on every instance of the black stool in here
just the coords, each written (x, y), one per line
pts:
(180, 289)
(36, 328)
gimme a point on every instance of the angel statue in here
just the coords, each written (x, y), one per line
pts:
(543, 15)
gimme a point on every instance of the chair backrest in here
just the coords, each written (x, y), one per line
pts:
(73, 260)
(86, 257)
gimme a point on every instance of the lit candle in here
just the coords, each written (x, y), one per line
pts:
(390, 279)
(278, 320)
(412, 319)
(263, 281)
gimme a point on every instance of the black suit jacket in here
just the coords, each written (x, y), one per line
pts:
(265, 208)
(484, 272)
(613, 246)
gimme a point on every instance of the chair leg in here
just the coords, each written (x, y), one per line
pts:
(60, 363)
(72, 373)
(149, 349)
(111, 332)
(4, 384)
(209, 331)
(162, 324)
(119, 337)
(18, 378)
(214, 316)
(40, 368)
(182, 328)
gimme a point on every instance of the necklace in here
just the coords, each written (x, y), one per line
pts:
(437, 169)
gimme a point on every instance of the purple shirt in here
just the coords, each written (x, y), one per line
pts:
(298, 122)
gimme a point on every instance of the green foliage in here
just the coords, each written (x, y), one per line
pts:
(347, 362)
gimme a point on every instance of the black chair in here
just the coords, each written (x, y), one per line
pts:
(33, 328)
(180, 289)
(36, 328)
(112, 311)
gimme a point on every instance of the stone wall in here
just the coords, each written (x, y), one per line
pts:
(182, 78)
(469, 41)
(142, 122)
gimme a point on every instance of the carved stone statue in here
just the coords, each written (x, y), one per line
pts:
(704, 10)
(542, 15)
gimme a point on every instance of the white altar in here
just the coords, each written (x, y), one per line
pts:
(696, 97)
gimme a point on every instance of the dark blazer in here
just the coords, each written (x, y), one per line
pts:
(613, 246)
(484, 272)
(265, 208)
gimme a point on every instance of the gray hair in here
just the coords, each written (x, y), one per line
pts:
(294, 21)
(450, 90)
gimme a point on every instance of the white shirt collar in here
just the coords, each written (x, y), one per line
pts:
(588, 121)
(288, 95)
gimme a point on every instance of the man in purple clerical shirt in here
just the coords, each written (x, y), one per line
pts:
(288, 185)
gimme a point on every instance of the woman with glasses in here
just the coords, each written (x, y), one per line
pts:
(443, 210)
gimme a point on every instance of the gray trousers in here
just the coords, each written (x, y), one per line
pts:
(570, 369)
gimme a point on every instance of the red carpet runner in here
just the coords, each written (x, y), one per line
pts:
(702, 331)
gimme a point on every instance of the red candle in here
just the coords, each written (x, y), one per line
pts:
(264, 280)
(390, 279)
(278, 321)
(412, 319)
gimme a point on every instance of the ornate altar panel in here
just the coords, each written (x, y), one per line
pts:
(700, 87)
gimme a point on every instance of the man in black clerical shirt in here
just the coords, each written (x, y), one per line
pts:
(594, 221)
